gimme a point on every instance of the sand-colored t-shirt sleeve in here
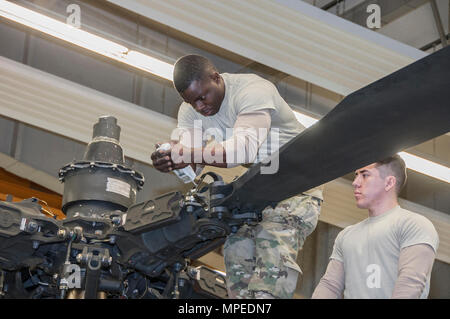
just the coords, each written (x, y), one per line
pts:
(414, 268)
(249, 132)
(418, 230)
(258, 96)
(331, 285)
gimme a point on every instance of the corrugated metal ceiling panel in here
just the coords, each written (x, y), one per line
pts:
(69, 109)
(291, 36)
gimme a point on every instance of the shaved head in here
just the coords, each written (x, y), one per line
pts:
(393, 166)
(191, 68)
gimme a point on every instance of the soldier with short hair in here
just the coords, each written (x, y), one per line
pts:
(260, 260)
(388, 255)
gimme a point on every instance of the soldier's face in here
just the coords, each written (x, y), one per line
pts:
(368, 186)
(205, 95)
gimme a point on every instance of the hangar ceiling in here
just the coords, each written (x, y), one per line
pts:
(300, 40)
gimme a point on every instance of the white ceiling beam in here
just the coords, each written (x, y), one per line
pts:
(290, 36)
(66, 108)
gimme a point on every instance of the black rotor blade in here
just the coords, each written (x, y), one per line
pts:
(401, 110)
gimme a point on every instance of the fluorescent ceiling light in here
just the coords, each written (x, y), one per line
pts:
(426, 167)
(160, 68)
(413, 162)
(150, 64)
(84, 39)
(60, 30)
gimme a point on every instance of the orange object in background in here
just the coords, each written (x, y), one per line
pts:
(20, 189)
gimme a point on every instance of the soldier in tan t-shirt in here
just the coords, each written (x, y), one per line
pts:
(388, 255)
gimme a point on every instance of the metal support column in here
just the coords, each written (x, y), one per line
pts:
(437, 19)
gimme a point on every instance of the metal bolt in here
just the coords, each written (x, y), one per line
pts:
(178, 267)
(194, 273)
(77, 233)
(116, 220)
(32, 227)
(106, 261)
(62, 233)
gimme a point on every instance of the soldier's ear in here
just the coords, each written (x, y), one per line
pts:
(215, 76)
(390, 182)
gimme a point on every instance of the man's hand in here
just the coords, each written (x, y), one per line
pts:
(162, 160)
(167, 160)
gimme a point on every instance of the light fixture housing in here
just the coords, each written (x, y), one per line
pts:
(84, 39)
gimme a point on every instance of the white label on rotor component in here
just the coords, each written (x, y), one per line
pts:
(23, 223)
(119, 187)
(124, 218)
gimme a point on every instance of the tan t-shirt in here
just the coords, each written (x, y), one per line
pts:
(246, 93)
(370, 251)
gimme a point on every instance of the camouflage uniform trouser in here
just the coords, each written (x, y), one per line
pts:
(262, 258)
